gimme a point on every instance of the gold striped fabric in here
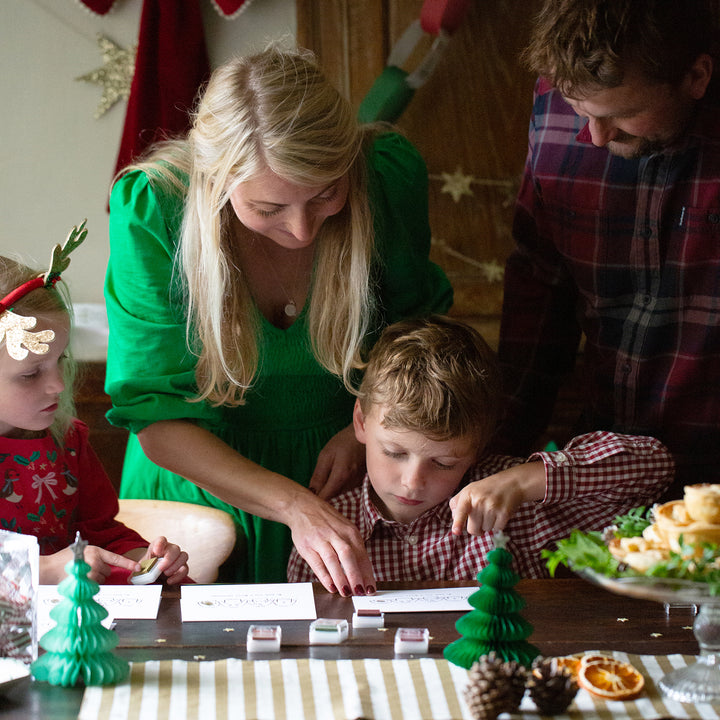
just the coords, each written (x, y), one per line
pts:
(312, 689)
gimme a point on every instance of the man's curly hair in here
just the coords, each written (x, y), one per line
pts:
(586, 45)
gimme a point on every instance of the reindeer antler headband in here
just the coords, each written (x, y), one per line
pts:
(13, 327)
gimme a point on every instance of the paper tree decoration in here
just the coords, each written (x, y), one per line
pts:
(495, 624)
(79, 648)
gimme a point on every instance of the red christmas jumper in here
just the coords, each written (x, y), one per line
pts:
(53, 492)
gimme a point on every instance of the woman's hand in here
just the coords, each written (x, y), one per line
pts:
(333, 548)
(329, 542)
(486, 505)
(101, 562)
(340, 465)
(173, 561)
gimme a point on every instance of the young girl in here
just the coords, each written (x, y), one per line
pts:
(52, 484)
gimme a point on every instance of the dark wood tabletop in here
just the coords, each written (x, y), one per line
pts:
(568, 616)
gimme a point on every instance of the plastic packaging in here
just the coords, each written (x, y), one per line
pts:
(19, 579)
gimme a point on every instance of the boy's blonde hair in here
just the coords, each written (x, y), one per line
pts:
(436, 376)
(43, 302)
(272, 110)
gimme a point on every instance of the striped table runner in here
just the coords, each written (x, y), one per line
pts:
(417, 689)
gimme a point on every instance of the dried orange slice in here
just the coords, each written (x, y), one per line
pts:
(609, 678)
(571, 663)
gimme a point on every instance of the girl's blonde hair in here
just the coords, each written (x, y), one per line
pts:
(273, 110)
(436, 376)
(43, 303)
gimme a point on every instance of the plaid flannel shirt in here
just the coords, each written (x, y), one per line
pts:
(626, 252)
(591, 480)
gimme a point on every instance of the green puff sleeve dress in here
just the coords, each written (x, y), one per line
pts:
(295, 406)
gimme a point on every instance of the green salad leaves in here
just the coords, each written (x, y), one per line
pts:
(583, 550)
(588, 550)
(633, 524)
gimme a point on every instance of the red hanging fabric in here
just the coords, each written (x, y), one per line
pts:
(98, 6)
(171, 65)
(437, 15)
(230, 7)
(225, 7)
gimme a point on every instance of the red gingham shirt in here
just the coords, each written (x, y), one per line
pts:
(628, 253)
(591, 480)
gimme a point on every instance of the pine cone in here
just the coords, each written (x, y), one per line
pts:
(494, 687)
(552, 688)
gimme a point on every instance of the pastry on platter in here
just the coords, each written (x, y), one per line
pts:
(673, 540)
(678, 524)
(703, 502)
(673, 520)
(637, 553)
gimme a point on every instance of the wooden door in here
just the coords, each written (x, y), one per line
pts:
(469, 121)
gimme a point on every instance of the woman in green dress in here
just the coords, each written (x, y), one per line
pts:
(252, 263)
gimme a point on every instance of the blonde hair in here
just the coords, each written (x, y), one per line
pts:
(43, 303)
(273, 110)
(435, 376)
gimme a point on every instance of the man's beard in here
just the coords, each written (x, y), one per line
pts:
(637, 147)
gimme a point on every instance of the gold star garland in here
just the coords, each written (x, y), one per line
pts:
(457, 185)
(492, 272)
(115, 76)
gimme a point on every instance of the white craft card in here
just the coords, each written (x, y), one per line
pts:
(228, 603)
(452, 599)
(136, 602)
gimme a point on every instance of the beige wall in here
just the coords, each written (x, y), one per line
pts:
(56, 160)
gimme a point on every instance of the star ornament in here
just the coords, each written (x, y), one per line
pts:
(115, 76)
(78, 548)
(457, 184)
(493, 271)
(500, 539)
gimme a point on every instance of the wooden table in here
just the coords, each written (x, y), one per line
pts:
(569, 615)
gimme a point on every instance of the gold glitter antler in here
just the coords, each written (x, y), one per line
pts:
(60, 256)
(14, 328)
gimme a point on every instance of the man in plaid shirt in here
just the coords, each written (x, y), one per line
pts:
(617, 228)
(431, 499)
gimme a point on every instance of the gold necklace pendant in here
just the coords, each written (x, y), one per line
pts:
(289, 309)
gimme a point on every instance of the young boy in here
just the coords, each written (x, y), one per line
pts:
(427, 406)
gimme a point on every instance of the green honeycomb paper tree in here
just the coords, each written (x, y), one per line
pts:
(495, 623)
(79, 648)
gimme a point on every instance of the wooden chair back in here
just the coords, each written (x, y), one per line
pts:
(206, 534)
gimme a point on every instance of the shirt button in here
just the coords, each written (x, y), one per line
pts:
(412, 539)
(560, 458)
